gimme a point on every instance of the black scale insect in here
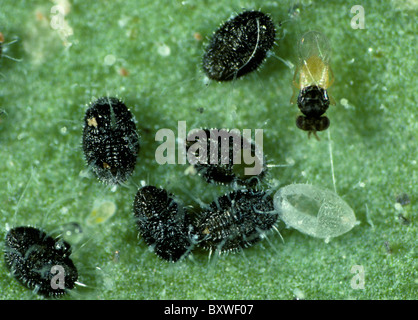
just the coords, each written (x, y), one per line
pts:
(163, 223)
(239, 46)
(30, 255)
(235, 221)
(225, 171)
(110, 140)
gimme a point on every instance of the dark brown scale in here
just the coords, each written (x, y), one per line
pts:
(30, 254)
(235, 221)
(239, 46)
(162, 223)
(110, 140)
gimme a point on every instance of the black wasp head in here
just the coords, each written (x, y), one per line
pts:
(312, 124)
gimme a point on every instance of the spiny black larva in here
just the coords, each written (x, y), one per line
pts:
(225, 171)
(163, 223)
(110, 140)
(235, 221)
(31, 255)
(239, 46)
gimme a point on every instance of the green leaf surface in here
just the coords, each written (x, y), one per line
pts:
(373, 137)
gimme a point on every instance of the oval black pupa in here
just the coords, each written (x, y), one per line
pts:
(162, 223)
(239, 46)
(222, 167)
(35, 258)
(110, 140)
(235, 221)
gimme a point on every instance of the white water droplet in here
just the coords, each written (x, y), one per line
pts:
(164, 50)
